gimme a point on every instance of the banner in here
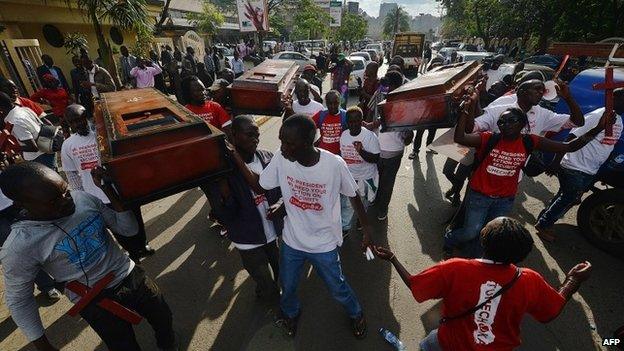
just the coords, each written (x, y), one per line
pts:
(335, 12)
(253, 15)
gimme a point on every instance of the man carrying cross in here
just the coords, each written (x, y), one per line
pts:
(576, 170)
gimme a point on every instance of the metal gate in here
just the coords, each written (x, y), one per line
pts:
(23, 56)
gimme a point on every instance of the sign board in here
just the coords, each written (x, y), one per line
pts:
(324, 4)
(444, 145)
(253, 15)
(335, 12)
(195, 41)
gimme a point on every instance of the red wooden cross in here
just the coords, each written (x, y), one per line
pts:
(608, 86)
(88, 294)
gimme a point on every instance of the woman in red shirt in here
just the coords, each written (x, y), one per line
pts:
(499, 159)
(484, 300)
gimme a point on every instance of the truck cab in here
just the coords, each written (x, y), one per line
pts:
(410, 47)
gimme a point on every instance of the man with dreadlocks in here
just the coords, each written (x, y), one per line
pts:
(498, 161)
(484, 300)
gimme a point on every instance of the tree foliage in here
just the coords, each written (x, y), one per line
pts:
(209, 20)
(538, 21)
(397, 20)
(353, 27)
(310, 22)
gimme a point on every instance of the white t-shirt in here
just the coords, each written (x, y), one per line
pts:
(26, 126)
(360, 169)
(312, 199)
(541, 120)
(263, 207)
(494, 76)
(309, 110)
(80, 154)
(391, 141)
(4, 201)
(504, 100)
(589, 158)
(94, 91)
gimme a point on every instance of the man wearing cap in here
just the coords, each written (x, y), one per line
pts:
(316, 84)
(341, 71)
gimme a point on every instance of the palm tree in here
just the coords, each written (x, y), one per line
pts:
(396, 20)
(125, 14)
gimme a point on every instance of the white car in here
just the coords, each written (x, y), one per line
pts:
(464, 56)
(300, 59)
(377, 47)
(363, 54)
(356, 79)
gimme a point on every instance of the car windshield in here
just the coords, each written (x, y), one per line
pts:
(358, 65)
(361, 54)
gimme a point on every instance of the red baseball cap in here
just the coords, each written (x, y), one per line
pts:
(309, 68)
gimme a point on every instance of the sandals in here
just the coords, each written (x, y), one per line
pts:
(359, 327)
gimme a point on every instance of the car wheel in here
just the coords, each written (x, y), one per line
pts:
(601, 220)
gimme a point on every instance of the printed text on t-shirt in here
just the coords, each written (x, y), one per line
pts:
(306, 195)
(330, 132)
(504, 163)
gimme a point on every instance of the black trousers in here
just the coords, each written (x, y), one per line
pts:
(388, 169)
(139, 293)
(431, 133)
(456, 173)
(256, 262)
(134, 244)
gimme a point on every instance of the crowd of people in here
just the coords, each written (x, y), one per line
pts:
(333, 176)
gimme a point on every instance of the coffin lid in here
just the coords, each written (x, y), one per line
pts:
(441, 80)
(270, 75)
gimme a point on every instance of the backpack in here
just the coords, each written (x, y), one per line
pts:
(343, 118)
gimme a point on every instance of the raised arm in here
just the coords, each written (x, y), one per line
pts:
(467, 114)
(576, 115)
(577, 143)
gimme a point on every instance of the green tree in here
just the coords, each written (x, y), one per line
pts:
(209, 20)
(311, 22)
(396, 21)
(352, 28)
(127, 14)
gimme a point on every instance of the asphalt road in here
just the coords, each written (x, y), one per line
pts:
(215, 308)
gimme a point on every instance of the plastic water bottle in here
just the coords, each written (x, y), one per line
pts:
(392, 339)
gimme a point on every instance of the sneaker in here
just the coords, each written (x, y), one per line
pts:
(223, 232)
(54, 294)
(382, 217)
(413, 155)
(288, 324)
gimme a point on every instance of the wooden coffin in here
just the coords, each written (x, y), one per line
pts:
(260, 89)
(154, 147)
(431, 100)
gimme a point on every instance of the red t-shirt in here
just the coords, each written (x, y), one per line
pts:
(330, 131)
(25, 102)
(463, 284)
(212, 113)
(58, 99)
(498, 173)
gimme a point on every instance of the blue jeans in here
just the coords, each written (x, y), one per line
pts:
(347, 212)
(480, 209)
(327, 266)
(572, 185)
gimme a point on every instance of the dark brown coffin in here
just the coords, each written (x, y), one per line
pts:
(431, 100)
(260, 89)
(154, 147)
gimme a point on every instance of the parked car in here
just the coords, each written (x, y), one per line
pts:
(467, 47)
(294, 56)
(374, 55)
(380, 51)
(364, 55)
(544, 60)
(464, 56)
(356, 79)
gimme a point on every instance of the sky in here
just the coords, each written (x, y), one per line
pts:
(413, 7)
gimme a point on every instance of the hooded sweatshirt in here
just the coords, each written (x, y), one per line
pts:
(82, 250)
